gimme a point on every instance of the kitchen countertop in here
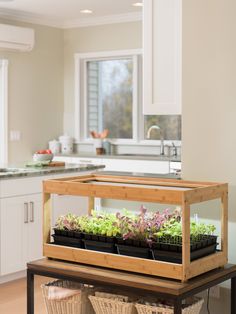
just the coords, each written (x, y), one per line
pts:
(140, 174)
(124, 156)
(22, 172)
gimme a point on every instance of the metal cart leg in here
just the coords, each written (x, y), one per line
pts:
(178, 306)
(30, 292)
(233, 295)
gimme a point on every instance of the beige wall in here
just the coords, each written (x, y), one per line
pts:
(35, 92)
(92, 39)
(209, 99)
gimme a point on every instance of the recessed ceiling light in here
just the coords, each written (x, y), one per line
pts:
(138, 4)
(86, 11)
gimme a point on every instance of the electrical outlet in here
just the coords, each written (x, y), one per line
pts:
(215, 292)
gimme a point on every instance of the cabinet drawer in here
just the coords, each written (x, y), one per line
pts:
(16, 186)
(86, 160)
(27, 185)
(144, 166)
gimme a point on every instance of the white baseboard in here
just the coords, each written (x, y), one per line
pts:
(14, 276)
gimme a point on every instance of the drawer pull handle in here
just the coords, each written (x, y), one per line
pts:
(26, 213)
(31, 211)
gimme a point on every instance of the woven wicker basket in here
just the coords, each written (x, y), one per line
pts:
(76, 304)
(193, 308)
(111, 306)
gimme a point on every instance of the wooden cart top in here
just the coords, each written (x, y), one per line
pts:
(166, 191)
(99, 275)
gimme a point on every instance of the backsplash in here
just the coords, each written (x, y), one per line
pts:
(126, 149)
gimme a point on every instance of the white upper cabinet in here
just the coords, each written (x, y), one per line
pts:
(162, 44)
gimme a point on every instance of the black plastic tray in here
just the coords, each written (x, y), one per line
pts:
(68, 241)
(134, 251)
(68, 233)
(176, 257)
(99, 246)
(99, 238)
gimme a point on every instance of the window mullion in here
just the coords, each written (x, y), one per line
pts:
(135, 98)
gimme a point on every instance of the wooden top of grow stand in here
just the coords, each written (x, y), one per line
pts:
(166, 191)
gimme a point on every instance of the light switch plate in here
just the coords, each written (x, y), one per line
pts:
(15, 135)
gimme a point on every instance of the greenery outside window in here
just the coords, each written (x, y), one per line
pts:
(108, 96)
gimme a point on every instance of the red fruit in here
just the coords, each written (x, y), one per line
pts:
(49, 151)
(42, 151)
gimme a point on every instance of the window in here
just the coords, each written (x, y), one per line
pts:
(169, 124)
(108, 96)
(3, 111)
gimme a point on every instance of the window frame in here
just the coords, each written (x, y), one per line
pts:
(81, 91)
(81, 97)
(4, 111)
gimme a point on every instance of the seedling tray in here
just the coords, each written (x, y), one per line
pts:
(134, 251)
(176, 257)
(68, 233)
(99, 246)
(67, 241)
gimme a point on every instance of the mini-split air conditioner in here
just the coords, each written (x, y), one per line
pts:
(16, 38)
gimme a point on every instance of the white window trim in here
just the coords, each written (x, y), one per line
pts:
(81, 118)
(4, 111)
(81, 111)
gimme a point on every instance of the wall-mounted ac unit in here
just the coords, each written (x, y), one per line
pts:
(16, 38)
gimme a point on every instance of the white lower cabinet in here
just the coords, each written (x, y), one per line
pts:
(21, 221)
(21, 231)
(127, 165)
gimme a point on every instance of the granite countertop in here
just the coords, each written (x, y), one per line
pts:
(22, 172)
(125, 156)
(140, 174)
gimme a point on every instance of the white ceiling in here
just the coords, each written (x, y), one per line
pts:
(66, 13)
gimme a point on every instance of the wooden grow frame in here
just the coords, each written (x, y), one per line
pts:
(165, 191)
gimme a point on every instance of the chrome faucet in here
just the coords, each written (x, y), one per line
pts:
(156, 127)
(174, 149)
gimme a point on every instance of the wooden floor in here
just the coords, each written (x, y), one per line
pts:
(13, 296)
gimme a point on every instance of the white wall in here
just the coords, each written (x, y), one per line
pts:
(209, 100)
(35, 92)
(91, 39)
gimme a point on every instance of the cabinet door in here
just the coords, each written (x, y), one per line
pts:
(162, 56)
(35, 228)
(14, 222)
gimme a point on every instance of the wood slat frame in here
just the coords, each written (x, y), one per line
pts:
(169, 193)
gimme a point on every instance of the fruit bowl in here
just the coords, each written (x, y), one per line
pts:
(43, 156)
